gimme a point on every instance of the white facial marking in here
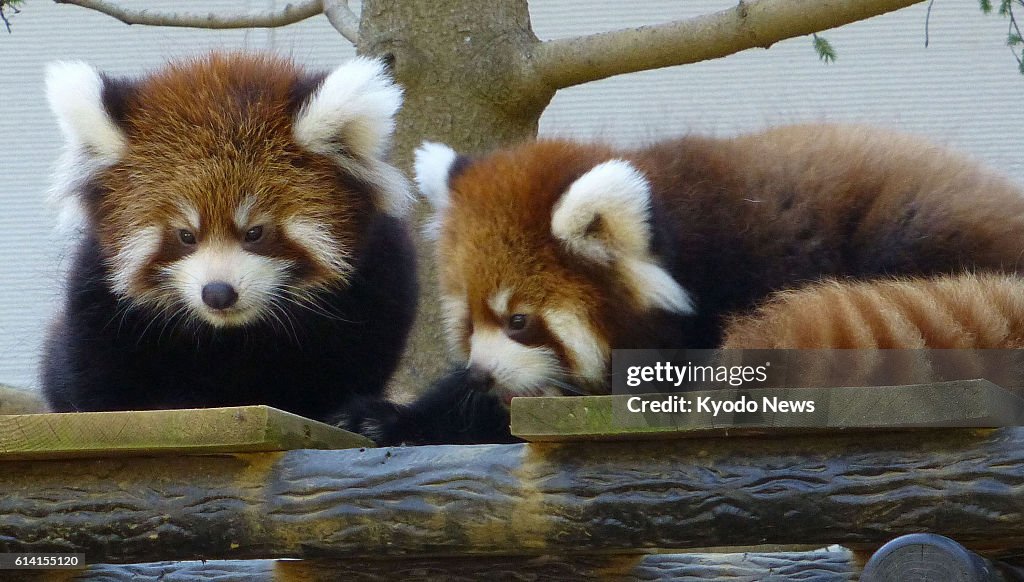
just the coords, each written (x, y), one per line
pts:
(255, 278)
(588, 352)
(499, 302)
(135, 252)
(318, 242)
(243, 212)
(518, 370)
(192, 219)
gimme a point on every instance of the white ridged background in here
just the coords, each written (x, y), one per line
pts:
(963, 90)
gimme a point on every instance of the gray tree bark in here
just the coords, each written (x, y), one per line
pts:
(461, 63)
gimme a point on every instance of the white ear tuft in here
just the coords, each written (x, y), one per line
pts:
(433, 167)
(604, 213)
(75, 92)
(656, 288)
(354, 106)
(350, 118)
(604, 217)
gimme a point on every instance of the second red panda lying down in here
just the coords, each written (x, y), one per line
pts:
(942, 313)
(553, 253)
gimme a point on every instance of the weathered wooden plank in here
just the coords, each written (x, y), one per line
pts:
(966, 403)
(17, 401)
(834, 564)
(530, 499)
(149, 432)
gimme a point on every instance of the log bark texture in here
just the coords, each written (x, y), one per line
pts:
(826, 565)
(532, 499)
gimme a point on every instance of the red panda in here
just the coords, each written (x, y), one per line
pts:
(242, 238)
(978, 312)
(894, 331)
(553, 253)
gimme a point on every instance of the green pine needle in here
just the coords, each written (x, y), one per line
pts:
(986, 6)
(824, 49)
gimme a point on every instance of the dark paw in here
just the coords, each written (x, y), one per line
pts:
(374, 418)
(452, 411)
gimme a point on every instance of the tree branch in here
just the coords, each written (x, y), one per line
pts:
(757, 23)
(342, 19)
(289, 14)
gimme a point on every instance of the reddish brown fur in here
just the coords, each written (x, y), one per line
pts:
(963, 312)
(470, 264)
(733, 221)
(188, 144)
(308, 314)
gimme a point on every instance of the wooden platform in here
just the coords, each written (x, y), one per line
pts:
(959, 404)
(219, 485)
(166, 432)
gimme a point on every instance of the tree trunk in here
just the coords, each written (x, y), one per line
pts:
(476, 51)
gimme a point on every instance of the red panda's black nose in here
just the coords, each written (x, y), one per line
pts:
(219, 295)
(479, 378)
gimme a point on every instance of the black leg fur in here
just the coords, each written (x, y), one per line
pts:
(452, 411)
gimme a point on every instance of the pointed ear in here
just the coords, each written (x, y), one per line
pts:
(435, 165)
(351, 113)
(604, 217)
(604, 213)
(87, 110)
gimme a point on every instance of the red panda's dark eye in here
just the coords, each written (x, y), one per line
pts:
(187, 237)
(525, 329)
(254, 234)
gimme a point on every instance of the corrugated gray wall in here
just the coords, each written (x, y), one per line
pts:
(963, 90)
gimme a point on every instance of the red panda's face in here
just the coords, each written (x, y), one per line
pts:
(226, 239)
(223, 188)
(543, 261)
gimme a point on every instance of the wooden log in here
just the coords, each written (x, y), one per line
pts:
(526, 499)
(151, 432)
(928, 558)
(964, 403)
(834, 564)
